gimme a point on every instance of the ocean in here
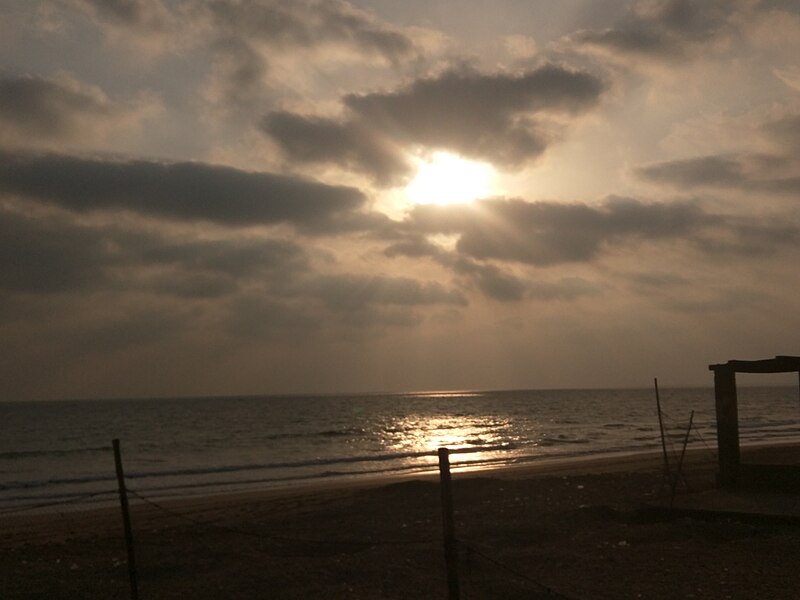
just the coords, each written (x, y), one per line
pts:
(57, 455)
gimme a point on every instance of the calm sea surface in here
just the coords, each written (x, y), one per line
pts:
(59, 453)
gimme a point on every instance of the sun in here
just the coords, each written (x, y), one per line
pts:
(449, 179)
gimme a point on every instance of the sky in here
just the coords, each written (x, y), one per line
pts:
(317, 196)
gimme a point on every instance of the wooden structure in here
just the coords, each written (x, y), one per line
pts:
(732, 473)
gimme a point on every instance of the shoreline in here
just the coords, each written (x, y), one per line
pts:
(529, 467)
(568, 525)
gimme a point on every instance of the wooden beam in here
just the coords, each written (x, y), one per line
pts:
(779, 364)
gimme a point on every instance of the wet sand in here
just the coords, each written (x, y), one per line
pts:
(567, 529)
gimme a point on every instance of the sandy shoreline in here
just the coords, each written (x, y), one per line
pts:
(567, 525)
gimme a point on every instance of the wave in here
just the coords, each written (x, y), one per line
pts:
(17, 454)
(238, 468)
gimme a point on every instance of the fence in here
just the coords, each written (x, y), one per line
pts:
(460, 557)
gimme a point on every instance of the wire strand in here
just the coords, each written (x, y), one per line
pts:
(276, 538)
(542, 587)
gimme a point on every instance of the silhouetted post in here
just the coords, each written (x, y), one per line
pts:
(448, 522)
(126, 520)
(661, 428)
(727, 425)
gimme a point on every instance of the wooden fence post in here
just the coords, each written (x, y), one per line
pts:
(126, 520)
(448, 522)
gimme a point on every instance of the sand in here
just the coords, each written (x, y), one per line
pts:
(551, 530)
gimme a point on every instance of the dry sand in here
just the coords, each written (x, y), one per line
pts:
(559, 529)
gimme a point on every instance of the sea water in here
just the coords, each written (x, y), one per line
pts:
(59, 453)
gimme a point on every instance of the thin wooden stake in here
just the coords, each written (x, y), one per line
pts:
(667, 474)
(126, 520)
(448, 522)
(680, 460)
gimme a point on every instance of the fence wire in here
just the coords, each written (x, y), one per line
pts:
(538, 585)
(277, 538)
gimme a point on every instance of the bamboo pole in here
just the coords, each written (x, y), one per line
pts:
(667, 474)
(448, 524)
(126, 520)
(680, 460)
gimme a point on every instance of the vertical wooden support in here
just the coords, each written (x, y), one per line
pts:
(727, 425)
(448, 523)
(126, 520)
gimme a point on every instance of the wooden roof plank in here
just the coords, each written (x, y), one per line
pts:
(779, 364)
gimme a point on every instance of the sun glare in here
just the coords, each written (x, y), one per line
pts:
(448, 179)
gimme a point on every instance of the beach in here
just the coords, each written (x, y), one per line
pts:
(568, 529)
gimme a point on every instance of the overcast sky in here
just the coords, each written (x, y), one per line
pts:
(254, 196)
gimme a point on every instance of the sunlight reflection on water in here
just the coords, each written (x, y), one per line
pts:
(471, 439)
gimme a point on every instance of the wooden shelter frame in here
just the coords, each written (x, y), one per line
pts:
(731, 471)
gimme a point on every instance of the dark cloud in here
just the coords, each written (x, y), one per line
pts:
(723, 171)
(39, 108)
(247, 37)
(252, 286)
(231, 256)
(49, 254)
(257, 316)
(139, 15)
(184, 191)
(664, 29)
(351, 145)
(785, 131)
(212, 268)
(137, 327)
(492, 281)
(744, 172)
(239, 73)
(309, 23)
(549, 233)
(491, 117)
(750, 237)
(349, 292)
(46, 256)
(278, 24)
(790, 6)
(192, 286)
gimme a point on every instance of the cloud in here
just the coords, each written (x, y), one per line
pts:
(50, 253)
(744, 172)
(137, 15)
(663, 30)
(233, 256)
(181, 191)
(238, 75)
(248, 39)
(497, 117)
(350, 145)
(309, 23)
(493, 282)
(785, 131)
(752, 237)
(789, 75)
(50, 110)
(46, 256)
(550, 233)
(348, 292)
